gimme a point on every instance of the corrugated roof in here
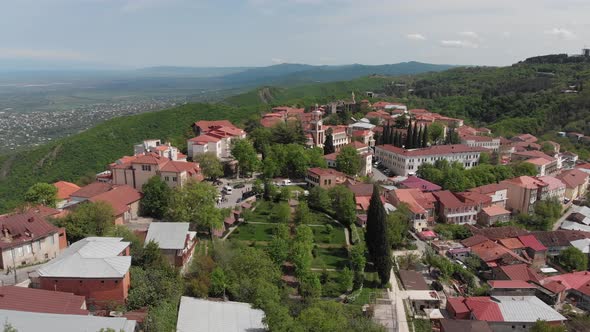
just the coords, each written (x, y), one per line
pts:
(526, 309)
(413, 280)
(24, 228)
(199, 315)
(34, 322)
(520, 272)
(92, 257)
(510, 284)
(168, 235)
(530, 241)
(39, 300)
(463, 325)
(433, 150)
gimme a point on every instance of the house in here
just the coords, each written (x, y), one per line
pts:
(497, 192)
(122, 198)
(534, 249)
(568, 160)
(325, 178)
(523, 193)
(452, 210)
(555, 187)
(506, 313)
(200, 315)
(576, 183)
(494, 254)
(420, 204)
(517, 272)
(23, 321)
(406, 162)
(422, 300)
(528, 138)
(214, 136)
(418, 183)
(559, 240)
(175, 240)
(362, 195)
(137, 170)
(156, 146)
(545, 164)
(64, 191)
(493, 214)
(95, 267)
(29, 238)
(488, 142)
(464, 325)
(412, 280)
(511, 288)
(39, 300)
(576, 285)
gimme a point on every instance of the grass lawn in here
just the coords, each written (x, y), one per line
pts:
(370, 289)
(334, 237)
(253, 232)
(262, 212)
(422, 325)
(321, 219)
(331, 258)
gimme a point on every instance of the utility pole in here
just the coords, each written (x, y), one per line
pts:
(14, 266)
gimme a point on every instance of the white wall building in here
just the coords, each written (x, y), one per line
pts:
(406, 162)
(487, 142)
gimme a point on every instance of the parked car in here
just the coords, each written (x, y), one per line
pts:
(239, 185)
(248, 194)
(228, 190)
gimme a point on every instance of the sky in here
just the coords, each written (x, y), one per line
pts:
(142, 33)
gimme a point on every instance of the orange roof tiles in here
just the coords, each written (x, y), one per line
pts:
(433, 150)
(39, 300)
(65, 189)
(573, 178)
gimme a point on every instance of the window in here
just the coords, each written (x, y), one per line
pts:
(51, 239)
(20, 251)
(146, 168)
(166, 178)
(174, 179)
(28, 249)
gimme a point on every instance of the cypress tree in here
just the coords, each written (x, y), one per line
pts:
(416, 138)
(419, 137)
(409, 137)
(386, 129)
(425, 137)
(392, 136)
(329, 143)
(376, 237)
(395, 139)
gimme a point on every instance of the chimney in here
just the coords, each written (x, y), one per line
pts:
(31, 219)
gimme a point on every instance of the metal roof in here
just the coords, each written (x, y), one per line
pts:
(198, 315)
(25, 321)
(526, 309)
(168, 235)
(92, 257)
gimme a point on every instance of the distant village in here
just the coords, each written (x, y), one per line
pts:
(517, 276)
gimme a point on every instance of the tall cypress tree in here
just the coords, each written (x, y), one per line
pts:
(416, 138)
(419, 137)
(396, 139)
(376, 238)
(409, 137)
(425, 137)
(329, 143)
(386, 129)
(392, 136)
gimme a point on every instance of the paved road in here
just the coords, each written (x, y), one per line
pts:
(378, 175)
(396, 295)
(231, 200)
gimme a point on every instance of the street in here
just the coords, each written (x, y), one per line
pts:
(229, 201)
(22, 275)
(378, 175)
(573, 208)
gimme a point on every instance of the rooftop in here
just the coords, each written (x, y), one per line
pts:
(48, 322)
(521, 272)
(39, 300)
(573, 178)
(463, 325)
(92, 257)
(433, 150)
(495, 210)
(416, 182)
(510, 284)
(168, 235)
(92, 189)
(199, 315)
(65, 189)
(413, 280)
(119, 197)
(24, 227)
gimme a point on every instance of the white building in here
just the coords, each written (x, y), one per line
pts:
(487, 142)
(156, 146)
(406, 162)
(214, 136)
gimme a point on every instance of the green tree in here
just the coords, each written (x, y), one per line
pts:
(376, 237)
(260, 137)
(343, 205)
(210, 165)
(572, 259)
(195, 202)
(348, 161)
(424, 137)
(281, 213)
(88, 219)
(346, 279)
(42, 193)
(218, 282)
(323, 317)
(543, 326)
(398, 224)
(329, 142)
(409, 137)
(303, 214)
(319, 199)
(156, 195)
(436, 132)
(310, 286)
(279, 246)
(243, 151)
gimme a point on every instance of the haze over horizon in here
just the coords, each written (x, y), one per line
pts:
(205, 33)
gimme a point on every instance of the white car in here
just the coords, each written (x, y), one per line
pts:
(228, 190)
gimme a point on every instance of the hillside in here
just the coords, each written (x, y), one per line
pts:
(91, 151)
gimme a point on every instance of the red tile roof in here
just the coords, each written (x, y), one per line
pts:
(24, 228)
(358, 145)
(39, 300)
(573, 178)
(496, 233)
(417, 201)
(521, 272)
(204, 139)
(92, 190)
(206, 125)
(433, 150)
(418, 183)
(555, 286)
(495, 210)
(180, 166)
(458, 304)
(510, 284)
(65, 189)
(511, 243)
(325, 171)
(120, 197)
(488, 188)
(530, 241)
(483, 308)
(474, 240)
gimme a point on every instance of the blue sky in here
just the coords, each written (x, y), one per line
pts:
(138, 33)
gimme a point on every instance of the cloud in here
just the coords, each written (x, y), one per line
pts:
(458, 44)
(278, 60)
(561, 33)
(22, 53)
(469, 34)
(415, 36)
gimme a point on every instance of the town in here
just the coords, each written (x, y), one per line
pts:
(399, 220)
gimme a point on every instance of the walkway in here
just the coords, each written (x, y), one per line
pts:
(396, 295)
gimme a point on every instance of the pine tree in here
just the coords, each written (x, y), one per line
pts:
(425, 137)
(376, 237)
(409, 137)
(329, 143)
(416, 138)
